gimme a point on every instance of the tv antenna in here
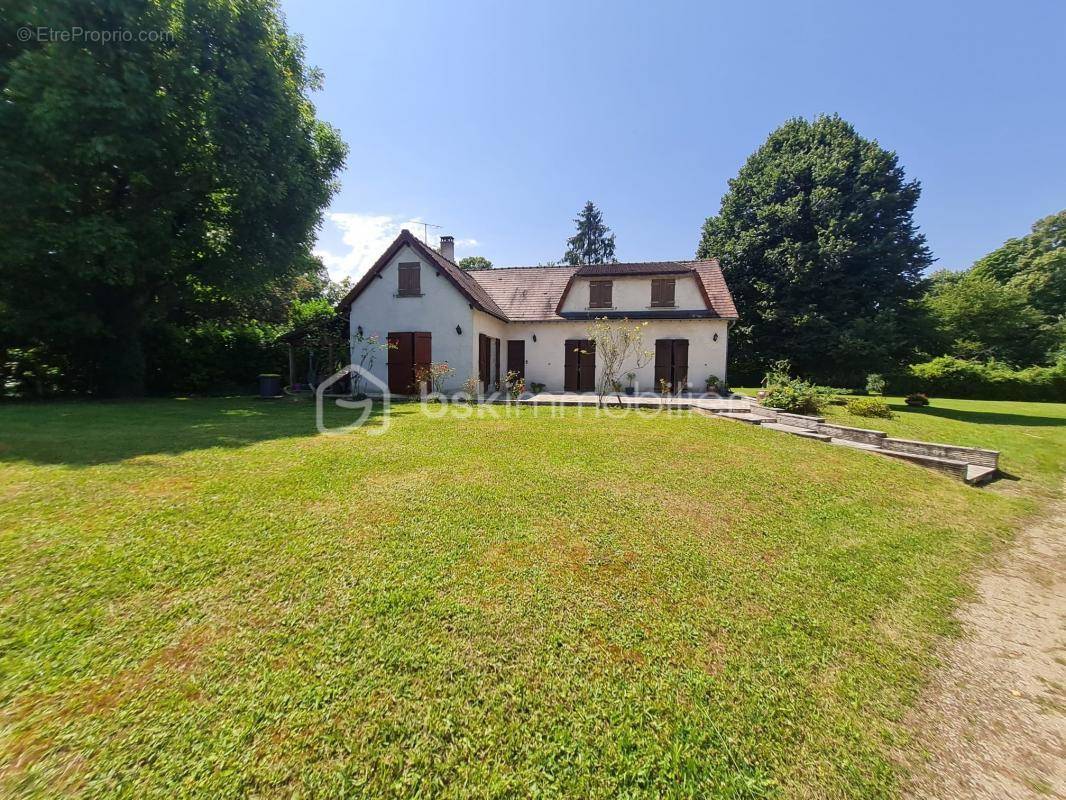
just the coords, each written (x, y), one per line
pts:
(425, 229)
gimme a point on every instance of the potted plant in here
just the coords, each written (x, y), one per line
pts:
(664, 387)
(536, 388)
(630, 379)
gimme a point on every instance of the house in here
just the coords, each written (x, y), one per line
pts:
(533, 320)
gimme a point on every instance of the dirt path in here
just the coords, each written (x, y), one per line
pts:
(994, 719)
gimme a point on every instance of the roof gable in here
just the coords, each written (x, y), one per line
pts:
(536, 294)
(708, 275)
(460, 279)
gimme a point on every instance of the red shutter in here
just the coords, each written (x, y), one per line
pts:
(400, 353)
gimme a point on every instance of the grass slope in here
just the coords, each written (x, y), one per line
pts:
(203, 598)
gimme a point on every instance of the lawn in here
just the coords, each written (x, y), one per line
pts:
(207, 598)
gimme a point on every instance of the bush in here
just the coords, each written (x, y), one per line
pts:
(212, 358)
(875, 384)
(916, 399)
(795, 395)
(991, 380)
(869, 407)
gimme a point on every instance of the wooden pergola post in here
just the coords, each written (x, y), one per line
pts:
(292, 365)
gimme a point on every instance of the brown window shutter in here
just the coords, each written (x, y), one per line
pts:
(409, 279)
(662, 292)
(663, 362)
(600, 294)
(680, 365)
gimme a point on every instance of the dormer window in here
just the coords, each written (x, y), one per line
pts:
(600, 294)
(409, 280)
(662, 293)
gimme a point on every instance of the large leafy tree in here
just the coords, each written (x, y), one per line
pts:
(593, 243)
(1035, 263)
(183, 166)
(1011, 305)
(979, 317)
(817, 240)
(474, 263)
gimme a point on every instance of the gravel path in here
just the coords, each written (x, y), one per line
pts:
(993, 721)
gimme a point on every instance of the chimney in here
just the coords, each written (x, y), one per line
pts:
(447, 247)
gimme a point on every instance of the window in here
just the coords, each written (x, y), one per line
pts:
(409, 285)
(662, 293)
(599, 294)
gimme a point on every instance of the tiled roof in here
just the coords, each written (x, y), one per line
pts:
(636, 268)
(535, 294)
(526, 293)
(474, 290)
(710, 275)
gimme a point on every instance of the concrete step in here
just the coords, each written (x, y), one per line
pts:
(957, 469)
(743, 416)
(870, 448)
(796, 431)
(977, 474)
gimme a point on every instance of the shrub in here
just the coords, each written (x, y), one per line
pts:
(992, 380)
(434, 375)
(794, 395)
(875, 384)
(716, 385)
(917, 399)
(536, 388)
(869, 407)
(797, 397)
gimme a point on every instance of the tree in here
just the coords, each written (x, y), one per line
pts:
(1035, 263)
(474, 263)
(817, 241)
(979, 317)
(1011, 305)
(140, 177)
(593, 243)
(619, 346)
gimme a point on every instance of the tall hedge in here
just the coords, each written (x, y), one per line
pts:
(956, 377)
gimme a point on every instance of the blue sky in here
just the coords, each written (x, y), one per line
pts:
(499, 120)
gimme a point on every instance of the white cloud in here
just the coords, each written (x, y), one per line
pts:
(366, 236)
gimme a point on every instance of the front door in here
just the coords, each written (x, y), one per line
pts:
(516, 357)
(671, 364)
(579, 365)
(408, 353)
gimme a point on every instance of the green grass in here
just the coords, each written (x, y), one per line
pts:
(206, 598)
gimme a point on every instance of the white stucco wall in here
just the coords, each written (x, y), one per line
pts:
(440, 308)
(634, 294)
(378, 310)
(544, 357)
